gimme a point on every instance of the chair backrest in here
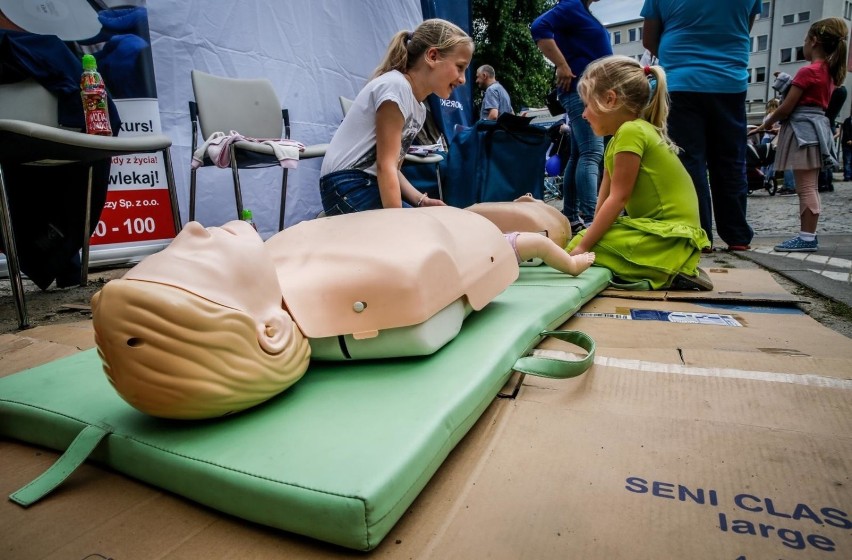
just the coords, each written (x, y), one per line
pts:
(29, 101)
(248, 106)
(345, 105)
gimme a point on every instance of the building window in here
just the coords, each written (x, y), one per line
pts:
(759, 43)
(764, 10)
(757, 75)
(631, 34)
(788, 54)
(847, 10)
(616, 38)
(800, 17)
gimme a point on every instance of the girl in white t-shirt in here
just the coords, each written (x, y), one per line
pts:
(360, 170)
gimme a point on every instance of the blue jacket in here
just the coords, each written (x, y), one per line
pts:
(579, 35)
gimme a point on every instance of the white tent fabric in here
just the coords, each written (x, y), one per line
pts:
(313, 51)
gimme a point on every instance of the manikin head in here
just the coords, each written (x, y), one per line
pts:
(198, 330)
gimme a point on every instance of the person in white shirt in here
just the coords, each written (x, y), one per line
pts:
(360, 170)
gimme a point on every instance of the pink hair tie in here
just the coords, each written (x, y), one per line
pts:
(647, 70)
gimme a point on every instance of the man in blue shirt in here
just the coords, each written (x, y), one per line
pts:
(496, 99)
(704, 48)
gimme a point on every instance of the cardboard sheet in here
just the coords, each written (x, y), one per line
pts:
(767, 335)
(43, 344)
(620, 465)
(683, 441)
(729, 284)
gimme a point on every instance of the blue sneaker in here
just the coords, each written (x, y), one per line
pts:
(797, 244)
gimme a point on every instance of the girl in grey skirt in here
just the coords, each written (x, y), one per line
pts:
(805, 141)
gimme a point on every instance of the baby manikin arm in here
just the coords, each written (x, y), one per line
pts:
(533, 245)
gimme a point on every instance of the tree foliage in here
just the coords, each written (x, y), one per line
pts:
(501, 31)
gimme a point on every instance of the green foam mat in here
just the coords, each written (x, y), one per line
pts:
(337, 457)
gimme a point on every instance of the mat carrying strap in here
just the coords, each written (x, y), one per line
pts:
(77, 452)
(557, 368)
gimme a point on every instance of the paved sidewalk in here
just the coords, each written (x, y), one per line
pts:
(827, 271)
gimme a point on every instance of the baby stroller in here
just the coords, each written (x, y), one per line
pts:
(759, 170)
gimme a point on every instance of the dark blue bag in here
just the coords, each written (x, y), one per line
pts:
(496, 161)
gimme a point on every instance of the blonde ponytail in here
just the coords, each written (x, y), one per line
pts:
(406, 47)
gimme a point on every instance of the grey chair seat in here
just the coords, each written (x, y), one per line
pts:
(431, 158)
(312, 151)
(21, 141)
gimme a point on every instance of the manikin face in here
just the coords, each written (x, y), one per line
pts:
(198, 330)
(227, 265)
(448, 70)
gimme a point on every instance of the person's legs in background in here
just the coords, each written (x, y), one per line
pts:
(569, 190)
(583, 170)
(809, 211)
(826, 180)
(847, 163)
(789, 186)
(687, 130)
(726, 145)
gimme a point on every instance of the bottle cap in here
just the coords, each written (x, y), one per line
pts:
(89, 62)
(247, 215)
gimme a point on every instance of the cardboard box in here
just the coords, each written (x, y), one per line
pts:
(685, 440)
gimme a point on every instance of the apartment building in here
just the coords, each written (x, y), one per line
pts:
(776, 44)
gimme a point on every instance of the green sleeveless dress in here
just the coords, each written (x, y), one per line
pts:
(660, 235)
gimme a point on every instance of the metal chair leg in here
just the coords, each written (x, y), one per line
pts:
(192, 195)
(238, 195)
(12, 262)
(87, 234)
(170, 181)
(283, 200)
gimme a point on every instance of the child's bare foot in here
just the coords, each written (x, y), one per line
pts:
(581, 262)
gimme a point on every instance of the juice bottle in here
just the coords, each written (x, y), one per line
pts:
(93, 92)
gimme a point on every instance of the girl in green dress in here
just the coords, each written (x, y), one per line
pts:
(646, 228)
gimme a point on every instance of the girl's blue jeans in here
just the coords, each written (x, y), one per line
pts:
(350, 190)
(582, 173)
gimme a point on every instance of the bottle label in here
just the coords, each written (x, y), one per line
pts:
(97, 121)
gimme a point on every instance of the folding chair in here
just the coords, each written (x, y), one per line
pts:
(251, 108)
(29, 135)
(436, 159)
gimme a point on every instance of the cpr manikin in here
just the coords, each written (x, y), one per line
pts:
(220, 321)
